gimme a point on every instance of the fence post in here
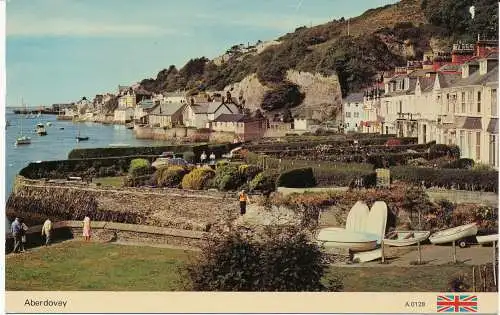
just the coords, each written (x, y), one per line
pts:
(473, 279)
(494, 263)
(383, 253)
(419, 253)
(454, 253)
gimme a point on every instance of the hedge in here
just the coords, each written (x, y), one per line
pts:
(197, 149)
(476, 180)
(297, 178)
(198, 178)
(96, 167)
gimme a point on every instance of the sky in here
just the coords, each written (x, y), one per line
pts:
(61, 50)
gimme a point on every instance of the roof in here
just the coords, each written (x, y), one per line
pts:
(450, 67)
(231, 118)
(477, 79)
(146, 104)
(472, 123)
(493, 126)
(354, 98)
(410, 90)
(448, 79)
(427, 83)
(167, 109)
(212, 107)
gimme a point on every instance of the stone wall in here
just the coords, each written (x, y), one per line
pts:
(179, 133)
(115, 232)
(172, 208)
(463, 196)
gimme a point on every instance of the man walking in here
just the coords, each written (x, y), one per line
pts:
(47, 230)
(243, 198)
(16, 233)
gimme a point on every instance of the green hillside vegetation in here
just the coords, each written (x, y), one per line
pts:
(357, 59)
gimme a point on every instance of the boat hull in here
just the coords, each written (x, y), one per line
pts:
(401, 241)
(341, 238)
(484, 239)
(453, 234)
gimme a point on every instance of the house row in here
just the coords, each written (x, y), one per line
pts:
(455, 104)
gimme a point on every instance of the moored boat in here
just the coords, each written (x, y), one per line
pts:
(485, 239)
(407, 238)
(23, 140)
(453, 234)
(341, 238)
(40, 130)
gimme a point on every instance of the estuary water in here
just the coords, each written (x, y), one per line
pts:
(58, 142)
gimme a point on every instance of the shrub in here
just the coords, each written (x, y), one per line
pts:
(198, 178)
(439, 150)
(228, 177)
(447, 178)
(249, 171)
(280, 260)
(265, 181)
(297, 178)
(170, 176)
(460, 163)
(482, 167)
(139, 167)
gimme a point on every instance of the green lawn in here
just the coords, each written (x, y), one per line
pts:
(109, 181)
(77, 265)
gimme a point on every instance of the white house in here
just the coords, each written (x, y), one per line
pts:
(199, 114)
(123, 115)
(352, 112)
(174, 97)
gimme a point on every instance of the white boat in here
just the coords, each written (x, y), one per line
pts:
(341, 238)
(49, 124)
(453, 234)
(22, 139)
(485, 239)
(357, 217)
(407, 238)
(377, 220)
(40, 129)
(368, 255)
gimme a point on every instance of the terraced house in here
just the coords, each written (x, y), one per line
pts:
(464, 111)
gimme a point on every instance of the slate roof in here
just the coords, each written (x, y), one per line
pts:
(448, 79)
(477, 79)
(146, 104)
(231, 118)
(212, 107)
(167, 109)
(354, 98)
(493, 126)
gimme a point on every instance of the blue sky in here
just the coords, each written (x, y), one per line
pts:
(61, 50)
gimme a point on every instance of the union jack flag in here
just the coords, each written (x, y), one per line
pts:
(463, 303)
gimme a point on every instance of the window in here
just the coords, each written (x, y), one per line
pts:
(357, 104)
(387, 107)
(478, 145)
(463, 102)
(494, 108)
(356, 115)
(493, 150)
(400, 106)
(462, 142)
(348, 114)
(469, 144)
(479, 101)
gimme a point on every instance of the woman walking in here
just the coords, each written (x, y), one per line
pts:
(86, 228)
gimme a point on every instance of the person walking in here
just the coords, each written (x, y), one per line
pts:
(86, 228)
(212, 158)
(47, 231)
(15, 229)
(243, 198)
(24, 231)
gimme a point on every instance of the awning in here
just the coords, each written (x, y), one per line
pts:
(493, 126)
(472, 123)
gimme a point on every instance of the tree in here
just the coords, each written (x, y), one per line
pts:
(284, 95)
(277, 259)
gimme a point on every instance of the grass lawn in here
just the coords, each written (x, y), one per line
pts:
(77, 265)
(109, 181)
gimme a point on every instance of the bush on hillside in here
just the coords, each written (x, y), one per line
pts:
(284, 95)
(170, 176)
(198, 178)
(249, 171)
(264, 181)
(297, 178)
(282, 259)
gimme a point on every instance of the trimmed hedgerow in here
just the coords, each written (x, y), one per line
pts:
(297, 178)
(170, 176)
(228, 177)
(463, 179)
(460, 163)
(264, 181)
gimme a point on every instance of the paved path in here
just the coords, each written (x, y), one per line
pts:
(432, 255)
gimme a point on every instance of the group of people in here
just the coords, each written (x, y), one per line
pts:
(203, 158)
(19, 230)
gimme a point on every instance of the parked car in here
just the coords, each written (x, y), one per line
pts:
(169, 161)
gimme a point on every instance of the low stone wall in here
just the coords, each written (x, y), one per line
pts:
(170, 208)
(115, 232)
(463, 196)
(180, 133)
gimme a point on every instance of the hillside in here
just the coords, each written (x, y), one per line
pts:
(378, 40)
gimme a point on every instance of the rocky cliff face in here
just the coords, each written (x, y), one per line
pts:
(323, 99)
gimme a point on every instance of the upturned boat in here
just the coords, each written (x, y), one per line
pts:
(454, 234)
(407, 238)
